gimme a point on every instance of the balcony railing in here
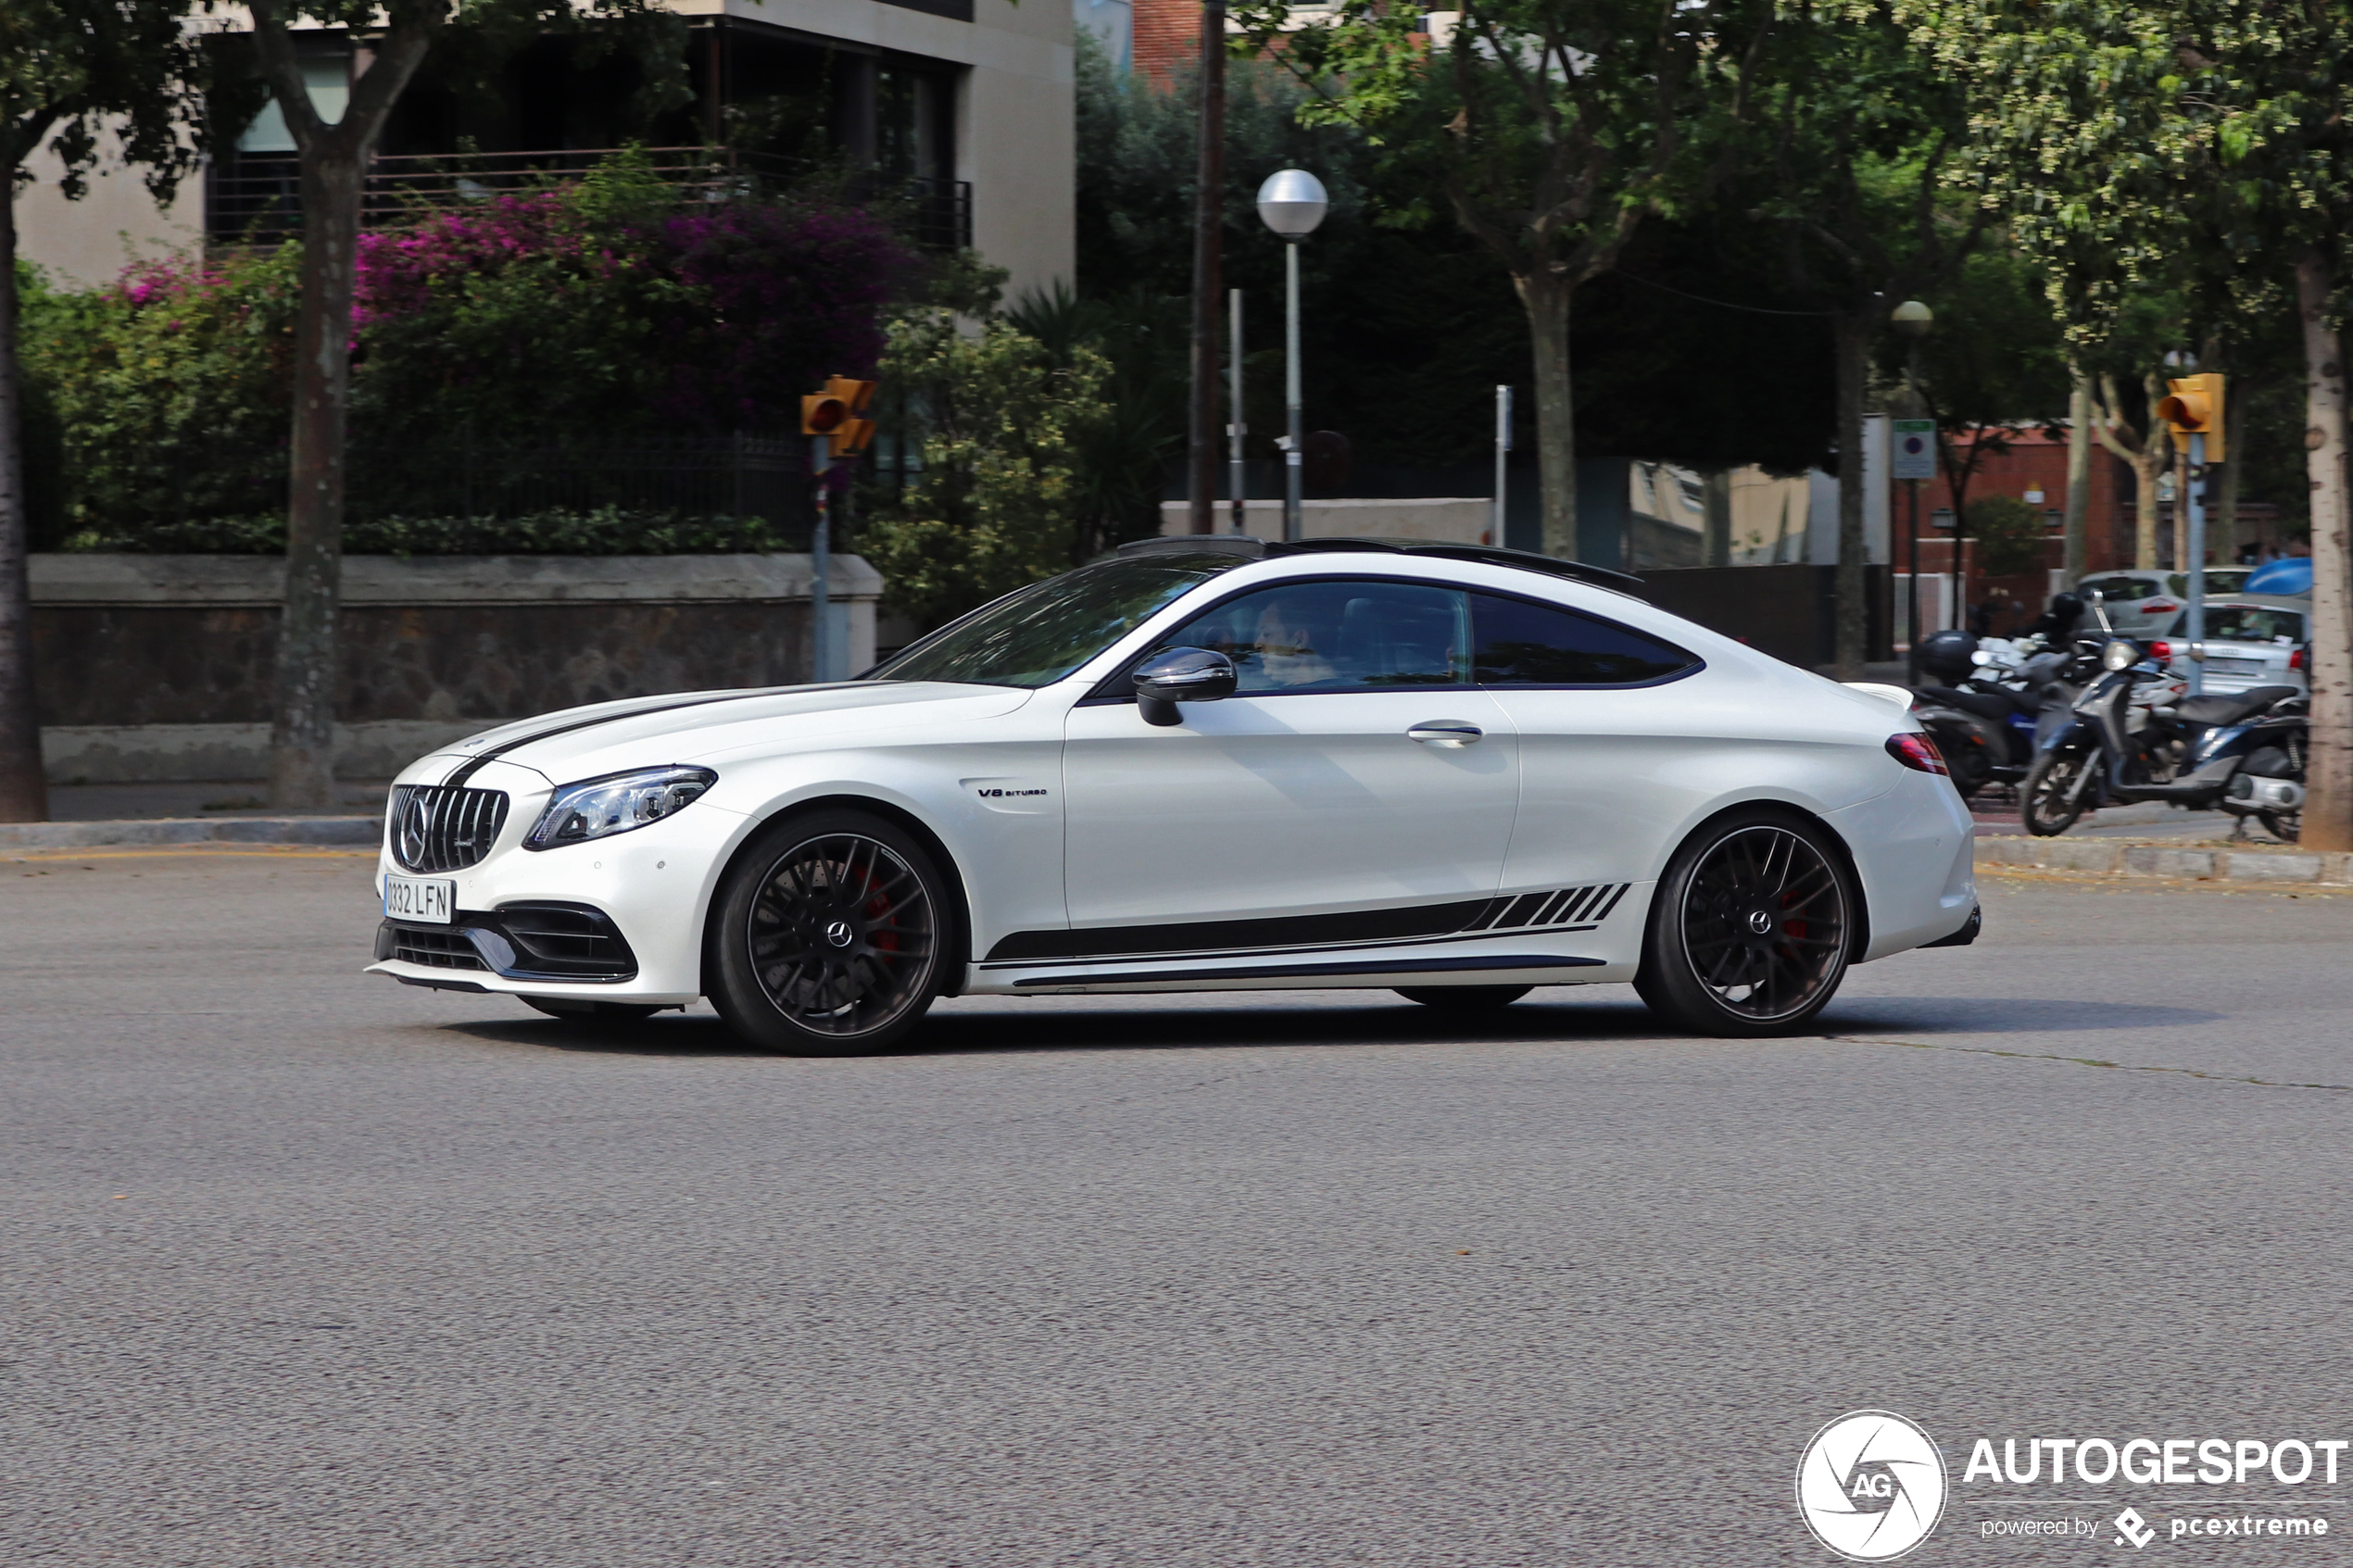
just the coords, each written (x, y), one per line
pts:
(257, 199)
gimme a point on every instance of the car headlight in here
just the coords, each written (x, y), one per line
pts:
(616, 803)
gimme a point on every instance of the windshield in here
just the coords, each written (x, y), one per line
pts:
(1036, 636)
(2246, 623)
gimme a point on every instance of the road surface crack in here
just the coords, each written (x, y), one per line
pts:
(2089, 1061)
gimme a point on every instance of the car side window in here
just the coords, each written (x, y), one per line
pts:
(1338, 636)
(1522, 644)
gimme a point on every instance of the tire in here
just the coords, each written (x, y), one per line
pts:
(2042, 795)
(591, 1012)
(1464, 999)
(828, 935)
(2286, 827)
(1752, 928)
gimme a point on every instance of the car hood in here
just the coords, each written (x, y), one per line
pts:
(577, 743)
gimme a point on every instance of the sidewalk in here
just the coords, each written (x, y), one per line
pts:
(89, 816)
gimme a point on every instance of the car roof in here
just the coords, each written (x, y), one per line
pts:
(1485, 555)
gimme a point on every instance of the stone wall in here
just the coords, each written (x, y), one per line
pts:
(158, 667)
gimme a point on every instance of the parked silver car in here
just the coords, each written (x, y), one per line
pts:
(2249, 643)
(2139, 604)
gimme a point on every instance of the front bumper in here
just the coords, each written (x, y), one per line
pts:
(570, 943)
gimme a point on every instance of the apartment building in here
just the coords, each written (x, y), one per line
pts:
(959, 112)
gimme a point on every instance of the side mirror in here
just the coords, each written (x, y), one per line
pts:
(1175, 676)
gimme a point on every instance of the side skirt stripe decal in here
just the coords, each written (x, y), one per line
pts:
(1525, 911)
(1316, 970)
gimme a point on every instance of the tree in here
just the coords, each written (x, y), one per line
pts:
(1858, 132)
(333, 160)
(1548, 130)
(73, 73)
(2207, 136)
(1004, 422)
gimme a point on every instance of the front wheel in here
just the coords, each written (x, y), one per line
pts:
(1752, 929)
(2286, 827)
(826, 938)
(2055, 791)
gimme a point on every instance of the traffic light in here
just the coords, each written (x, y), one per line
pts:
(837, 414)
(2195, 409)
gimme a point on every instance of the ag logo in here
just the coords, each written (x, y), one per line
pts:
(1871, 1486)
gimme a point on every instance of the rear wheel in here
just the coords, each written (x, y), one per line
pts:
(2286, 826)
(826, 936)
(1752, 928)
(1464, 999)
(2055, 791)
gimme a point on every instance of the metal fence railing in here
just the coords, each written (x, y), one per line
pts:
(256, 199)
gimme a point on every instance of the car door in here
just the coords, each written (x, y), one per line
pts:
(1306, 797)
(1603, 736)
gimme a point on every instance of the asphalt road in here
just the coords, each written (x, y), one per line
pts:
(303, 1267)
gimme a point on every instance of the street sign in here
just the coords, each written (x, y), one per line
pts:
(1915, 449)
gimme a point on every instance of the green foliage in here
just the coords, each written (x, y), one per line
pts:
(606, 531)
(1000, 419)
(1547, 128)
(169, 390)
(1122, 457)
(69, 68)
(2008, 534)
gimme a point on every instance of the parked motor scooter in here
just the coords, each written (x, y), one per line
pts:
(1981, 713)
(2130, 736)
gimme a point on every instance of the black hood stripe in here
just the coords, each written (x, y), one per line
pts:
(473, 765)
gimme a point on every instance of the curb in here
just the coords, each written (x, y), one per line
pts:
(358, 831)
(2119, 856)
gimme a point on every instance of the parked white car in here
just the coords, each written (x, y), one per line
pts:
(1456, 771)
(2249, 643)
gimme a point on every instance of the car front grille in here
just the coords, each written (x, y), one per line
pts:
(434, 828)
(443, 948)
(519, 941)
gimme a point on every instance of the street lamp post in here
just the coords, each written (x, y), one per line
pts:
(1914, 319)
(1291, 202)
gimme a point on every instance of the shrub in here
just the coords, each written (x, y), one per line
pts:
(2008, 534)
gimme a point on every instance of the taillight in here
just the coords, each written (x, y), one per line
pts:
(1916, 752)
(2160, 652)
(2159, 607)
(2295, 659)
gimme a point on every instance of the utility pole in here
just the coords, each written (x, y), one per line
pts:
(1209, 194)
(1238, 480)
(1502, 452)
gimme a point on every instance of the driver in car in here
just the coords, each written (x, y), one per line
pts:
(1289, 643)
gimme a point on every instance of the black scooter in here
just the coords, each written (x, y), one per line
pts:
(2243, 754)
(1988, 729)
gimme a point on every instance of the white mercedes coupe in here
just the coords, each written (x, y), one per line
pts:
(1201, 764)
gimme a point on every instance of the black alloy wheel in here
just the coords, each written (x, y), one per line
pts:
(1464, 999)
(1752, 929)
(827, 937)
(2055, 790)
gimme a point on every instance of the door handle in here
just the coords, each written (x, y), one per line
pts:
(1444, 731)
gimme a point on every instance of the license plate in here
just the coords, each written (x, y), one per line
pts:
(2235, 666)
(419, 898)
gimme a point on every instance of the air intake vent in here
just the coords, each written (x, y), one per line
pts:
(437, 829)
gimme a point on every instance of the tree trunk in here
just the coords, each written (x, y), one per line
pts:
(2182, 482)
(1851, 338)
(1546, 298)
(2223, 526)
(302, 735)
(24, 790)
(2078, 476)
(2147, 465)
(2328, 812)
